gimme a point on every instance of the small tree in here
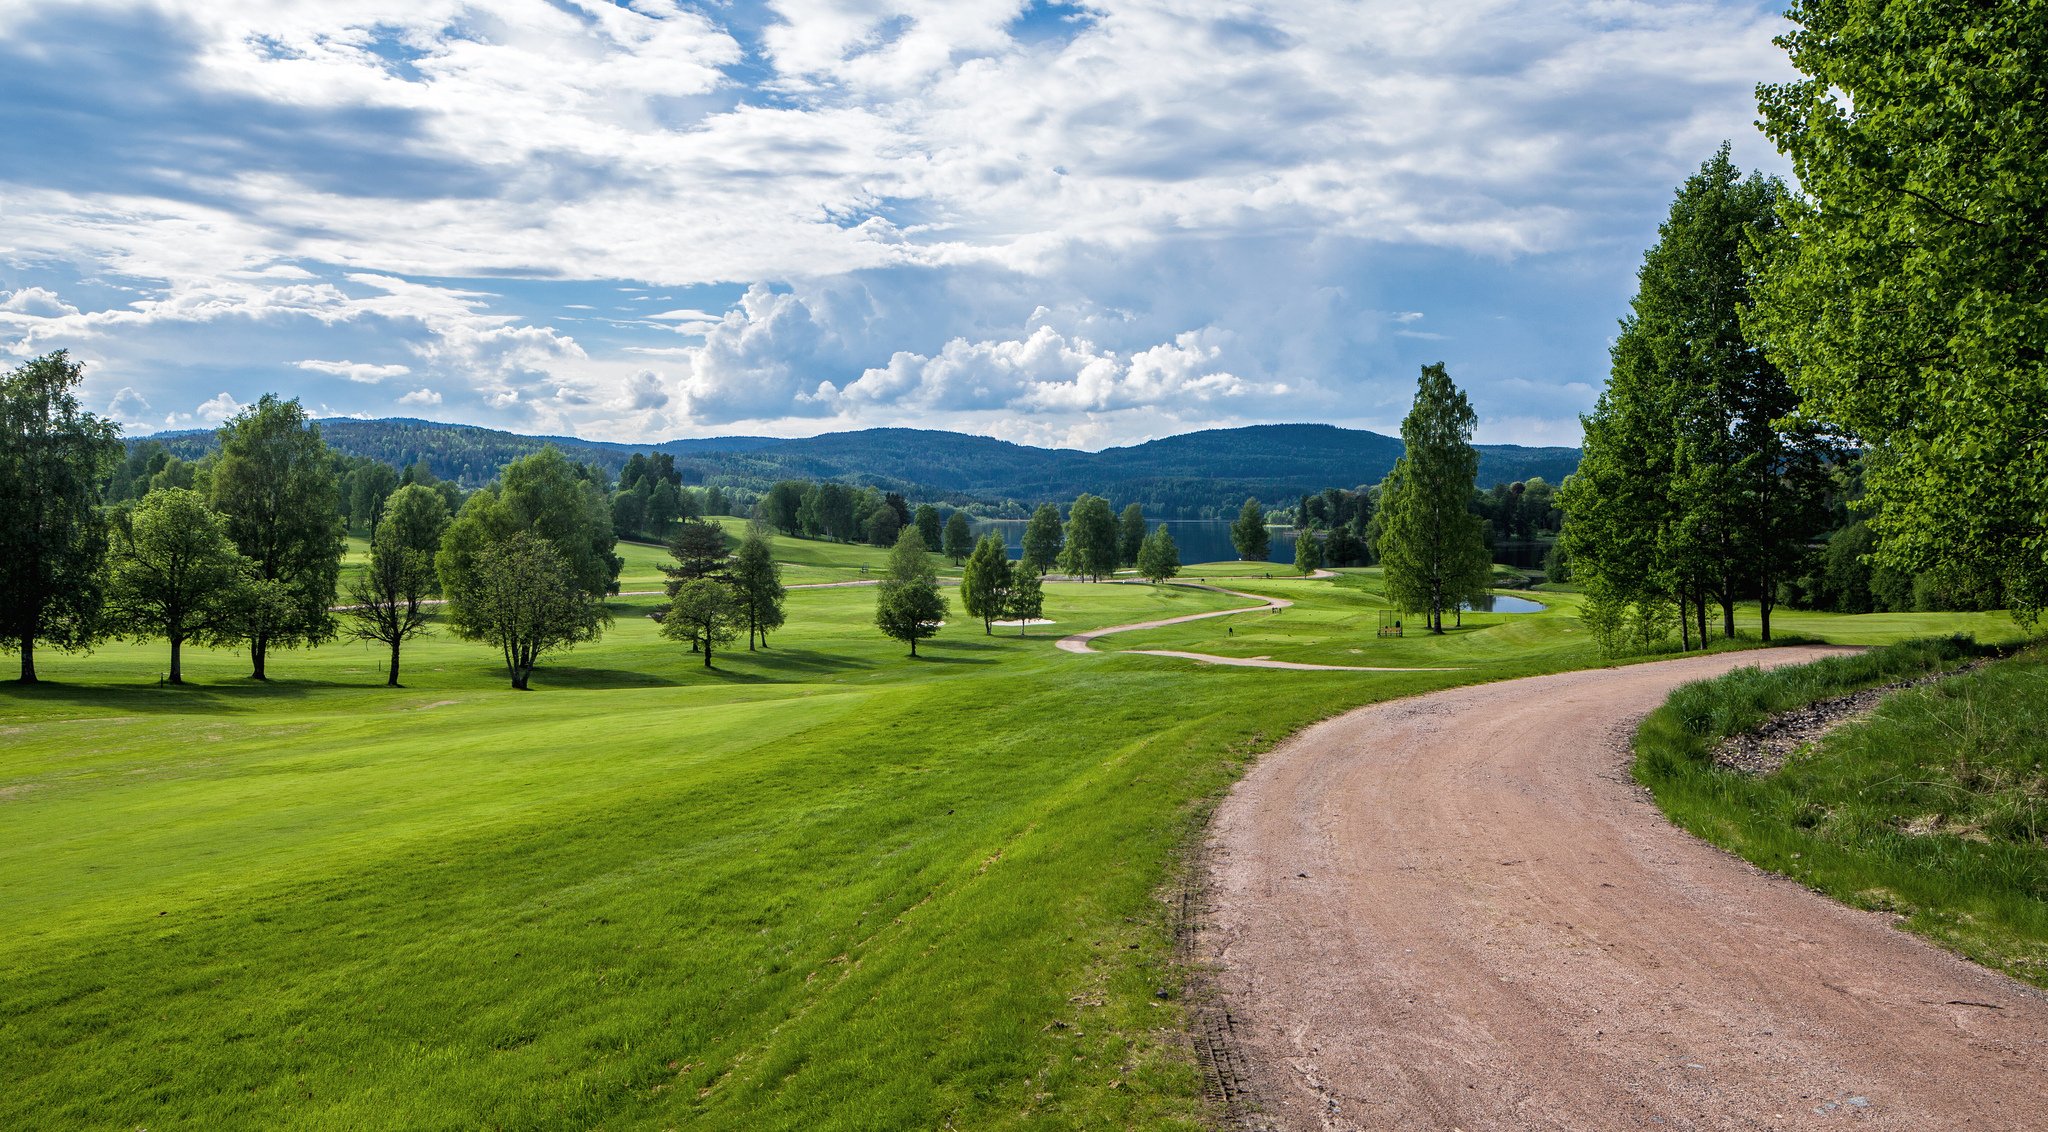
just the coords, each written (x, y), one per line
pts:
(389, 600)
(1130, 535)
(52, 540)
(1158, 557)
(910, 606)
(1091, 542)
(985, 586)
(525, 598)
(1027, 598)
(1043, 538)
(175, 574)
(959, 537)
(756, 580)
(1248, 533)
(1308, 553)
(699, 550)
(930, 527)
(704, 612)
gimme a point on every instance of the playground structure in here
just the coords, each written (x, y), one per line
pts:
(1390, 622)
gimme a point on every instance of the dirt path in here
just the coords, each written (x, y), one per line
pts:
(1078, 642)
(1457, 911)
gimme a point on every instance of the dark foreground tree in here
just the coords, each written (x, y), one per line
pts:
(524, 598)
(389, 601)
(756, 580)
(1158, 557)
(53, 457)
(1431, 546)
(910, 607)
(1248, 533)
(1043, 538)
(275, 483)
(986, 583)
(174, 574)
(705, 612)
(1910, 301)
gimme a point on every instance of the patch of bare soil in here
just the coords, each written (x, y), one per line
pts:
(1457, 912)
(1764, 749)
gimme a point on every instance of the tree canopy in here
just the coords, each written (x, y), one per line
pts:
(1090, 549)
(1043, 538)
(1248, 533)
(524, 597)
(1158, 557)
(388, 601)
(986, 583)
(175, 574)
(909, 606)
(1430, 544)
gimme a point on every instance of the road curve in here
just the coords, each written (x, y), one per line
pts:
(1078, 642)
(1457, 911)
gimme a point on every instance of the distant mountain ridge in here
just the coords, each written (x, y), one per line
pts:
(1194, 474)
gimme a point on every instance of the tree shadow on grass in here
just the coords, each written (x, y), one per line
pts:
(236, 694)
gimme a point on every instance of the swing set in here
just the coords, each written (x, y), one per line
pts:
(1390, 622)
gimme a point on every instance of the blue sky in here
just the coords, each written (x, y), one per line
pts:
(1062, 225)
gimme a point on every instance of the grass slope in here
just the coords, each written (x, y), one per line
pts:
(1934, 808)
(822, 886)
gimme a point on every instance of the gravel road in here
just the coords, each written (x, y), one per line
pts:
(1458, 912)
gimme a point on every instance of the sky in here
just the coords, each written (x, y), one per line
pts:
(1063, 225)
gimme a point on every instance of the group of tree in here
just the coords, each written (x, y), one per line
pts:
(1094, 541)
(1699, 486)
(845, 513)
(650, 499)
(714, 595)
(995, 589)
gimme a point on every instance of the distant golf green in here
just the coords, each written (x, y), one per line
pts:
(821, 886)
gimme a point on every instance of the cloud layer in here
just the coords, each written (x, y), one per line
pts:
(1072, 225)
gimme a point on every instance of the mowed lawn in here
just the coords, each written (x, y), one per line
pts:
(822, 886)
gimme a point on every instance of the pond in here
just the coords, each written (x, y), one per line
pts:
(1502, 603)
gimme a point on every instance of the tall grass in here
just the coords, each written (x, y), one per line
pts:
(1935, 808)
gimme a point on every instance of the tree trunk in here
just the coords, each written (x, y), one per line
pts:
(1727, 615)
(707, 651)
(258, 645)
(1764, 608)
(28, 658)
(393, 682)
(913, 646)
(177, 644)
(1684, 624)
(1699, 602)
(519, 674)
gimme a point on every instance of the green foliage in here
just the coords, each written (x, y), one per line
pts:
(930, 527)
(175, 574)
(52, 543)
(1158, 558)
(1910, 299)
(1934, 808)
(1430, 544)
(1130, 534)
(699, 550)
(1043, 539)
(756, 579)
(705, 612)
(1308, 553)
(1026, 602)
(986, 584)
(523, 597)
(909, 606)
(1697, 484)
(544, 495)
(959, 537)
(274, 483)
(1090, 545)
(388, 600)
(1248, 533)
(367, 486)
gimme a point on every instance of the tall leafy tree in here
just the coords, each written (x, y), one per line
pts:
(706, 612)
(1091, 539)
(524, 597)
(1248, 533)
(1308, 552)
(1027, 597)
(1158, 557)
(756, 579)
(368, 486)
(1430, 542)
(1043, 538)
(1130, 534)
(174, 574)
(959, 537)
(1909, 299)
(53, 456)
(986, 583)
(544, 495)
(275, 484)
(909, 606)
(389, 602)
(930, 527)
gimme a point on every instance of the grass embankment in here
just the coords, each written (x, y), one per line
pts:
(822, 886)
(1935, 807)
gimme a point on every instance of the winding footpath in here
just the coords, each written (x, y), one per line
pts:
(1079, 642)
(1457, 911)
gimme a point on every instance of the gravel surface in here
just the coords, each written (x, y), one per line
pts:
(1457, 911)
(1764, 749)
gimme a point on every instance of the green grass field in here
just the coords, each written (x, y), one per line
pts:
(821, 886)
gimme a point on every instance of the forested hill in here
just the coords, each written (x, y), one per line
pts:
(1191, 475)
